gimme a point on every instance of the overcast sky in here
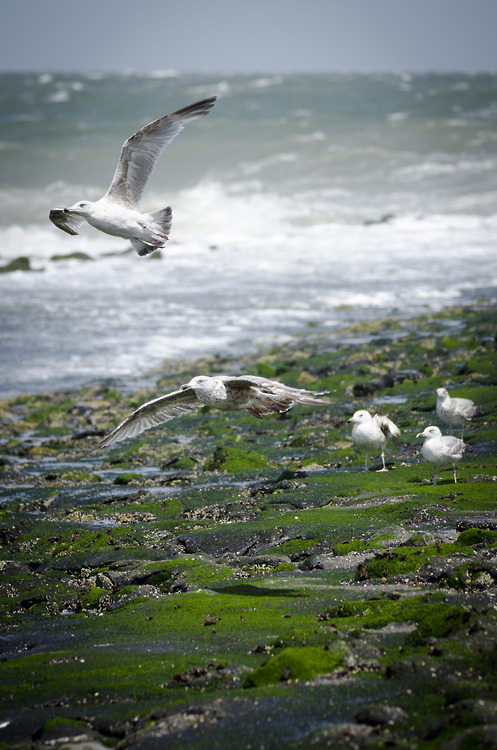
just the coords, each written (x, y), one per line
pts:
(231, 36)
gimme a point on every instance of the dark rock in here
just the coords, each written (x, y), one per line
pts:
(360, 390)
(380, 715)
(18, 264)
(337, 737)
(77, 255)
(460, 570)
(477, 737)
(394, 377)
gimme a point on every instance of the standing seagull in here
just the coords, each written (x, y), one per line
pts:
(116, 213)
(441, 449)
(258, 395)
(372, 433)
(455, 411)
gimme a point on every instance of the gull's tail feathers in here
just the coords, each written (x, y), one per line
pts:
(159, 221)
(163, 218)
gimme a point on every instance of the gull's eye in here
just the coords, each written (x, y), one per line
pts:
(82, 204)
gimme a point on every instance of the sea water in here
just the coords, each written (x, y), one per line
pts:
(301, 202)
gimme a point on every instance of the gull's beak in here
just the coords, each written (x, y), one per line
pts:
(420, 434)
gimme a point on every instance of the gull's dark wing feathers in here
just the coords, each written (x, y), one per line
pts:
(152, 414)
(64, 220)
(140, 153)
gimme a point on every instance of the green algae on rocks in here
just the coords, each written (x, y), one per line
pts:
(224, 581)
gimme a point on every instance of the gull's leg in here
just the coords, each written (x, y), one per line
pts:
(365, 461)
(455, 478)
(434, 475)
(462, 431)
(383, 459)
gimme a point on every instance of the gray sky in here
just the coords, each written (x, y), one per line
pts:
(230, 36)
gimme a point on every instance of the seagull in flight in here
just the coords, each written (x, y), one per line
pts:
(116, 213)
(372, 432)
(256, 394)
(441, 449)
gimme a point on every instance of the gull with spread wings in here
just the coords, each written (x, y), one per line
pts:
(116, 213)
(372, 432)
(256, 394)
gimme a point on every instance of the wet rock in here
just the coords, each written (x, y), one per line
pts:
(147, 591)
(134, 574)
(390, 536)
(329, 562)
(18, 264)
(14, 569)
(420, 539)
(459, 571)
(269, 560)
(69, 734)
(77, 255)
(337, 737)
(367, 388)
(476, 737)
(483, 711)
(394, 377)
(380, 715)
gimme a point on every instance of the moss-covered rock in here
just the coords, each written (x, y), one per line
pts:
(235, 460)
(303, 663)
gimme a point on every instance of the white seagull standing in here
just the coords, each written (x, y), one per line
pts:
(116, 213)
(371, 433)
(455, 412)
(441, 449)
(258, 395)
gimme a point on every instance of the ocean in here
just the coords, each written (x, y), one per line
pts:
(300, 203)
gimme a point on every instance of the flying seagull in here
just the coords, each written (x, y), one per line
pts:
(258, 395)
(116, 213)
(441, 450)
(371, 433)
(455, 412)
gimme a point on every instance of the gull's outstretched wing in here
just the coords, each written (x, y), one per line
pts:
(65, 220)
(152, 414)
(140, 153)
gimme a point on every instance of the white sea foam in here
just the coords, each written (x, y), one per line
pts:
(291, 206)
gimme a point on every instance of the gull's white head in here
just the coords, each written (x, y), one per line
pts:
(81, 208)
(197, 381)
(442, 392)
(430, 432)
(360, 416)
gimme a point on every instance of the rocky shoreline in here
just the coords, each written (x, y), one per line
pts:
(224, 581)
